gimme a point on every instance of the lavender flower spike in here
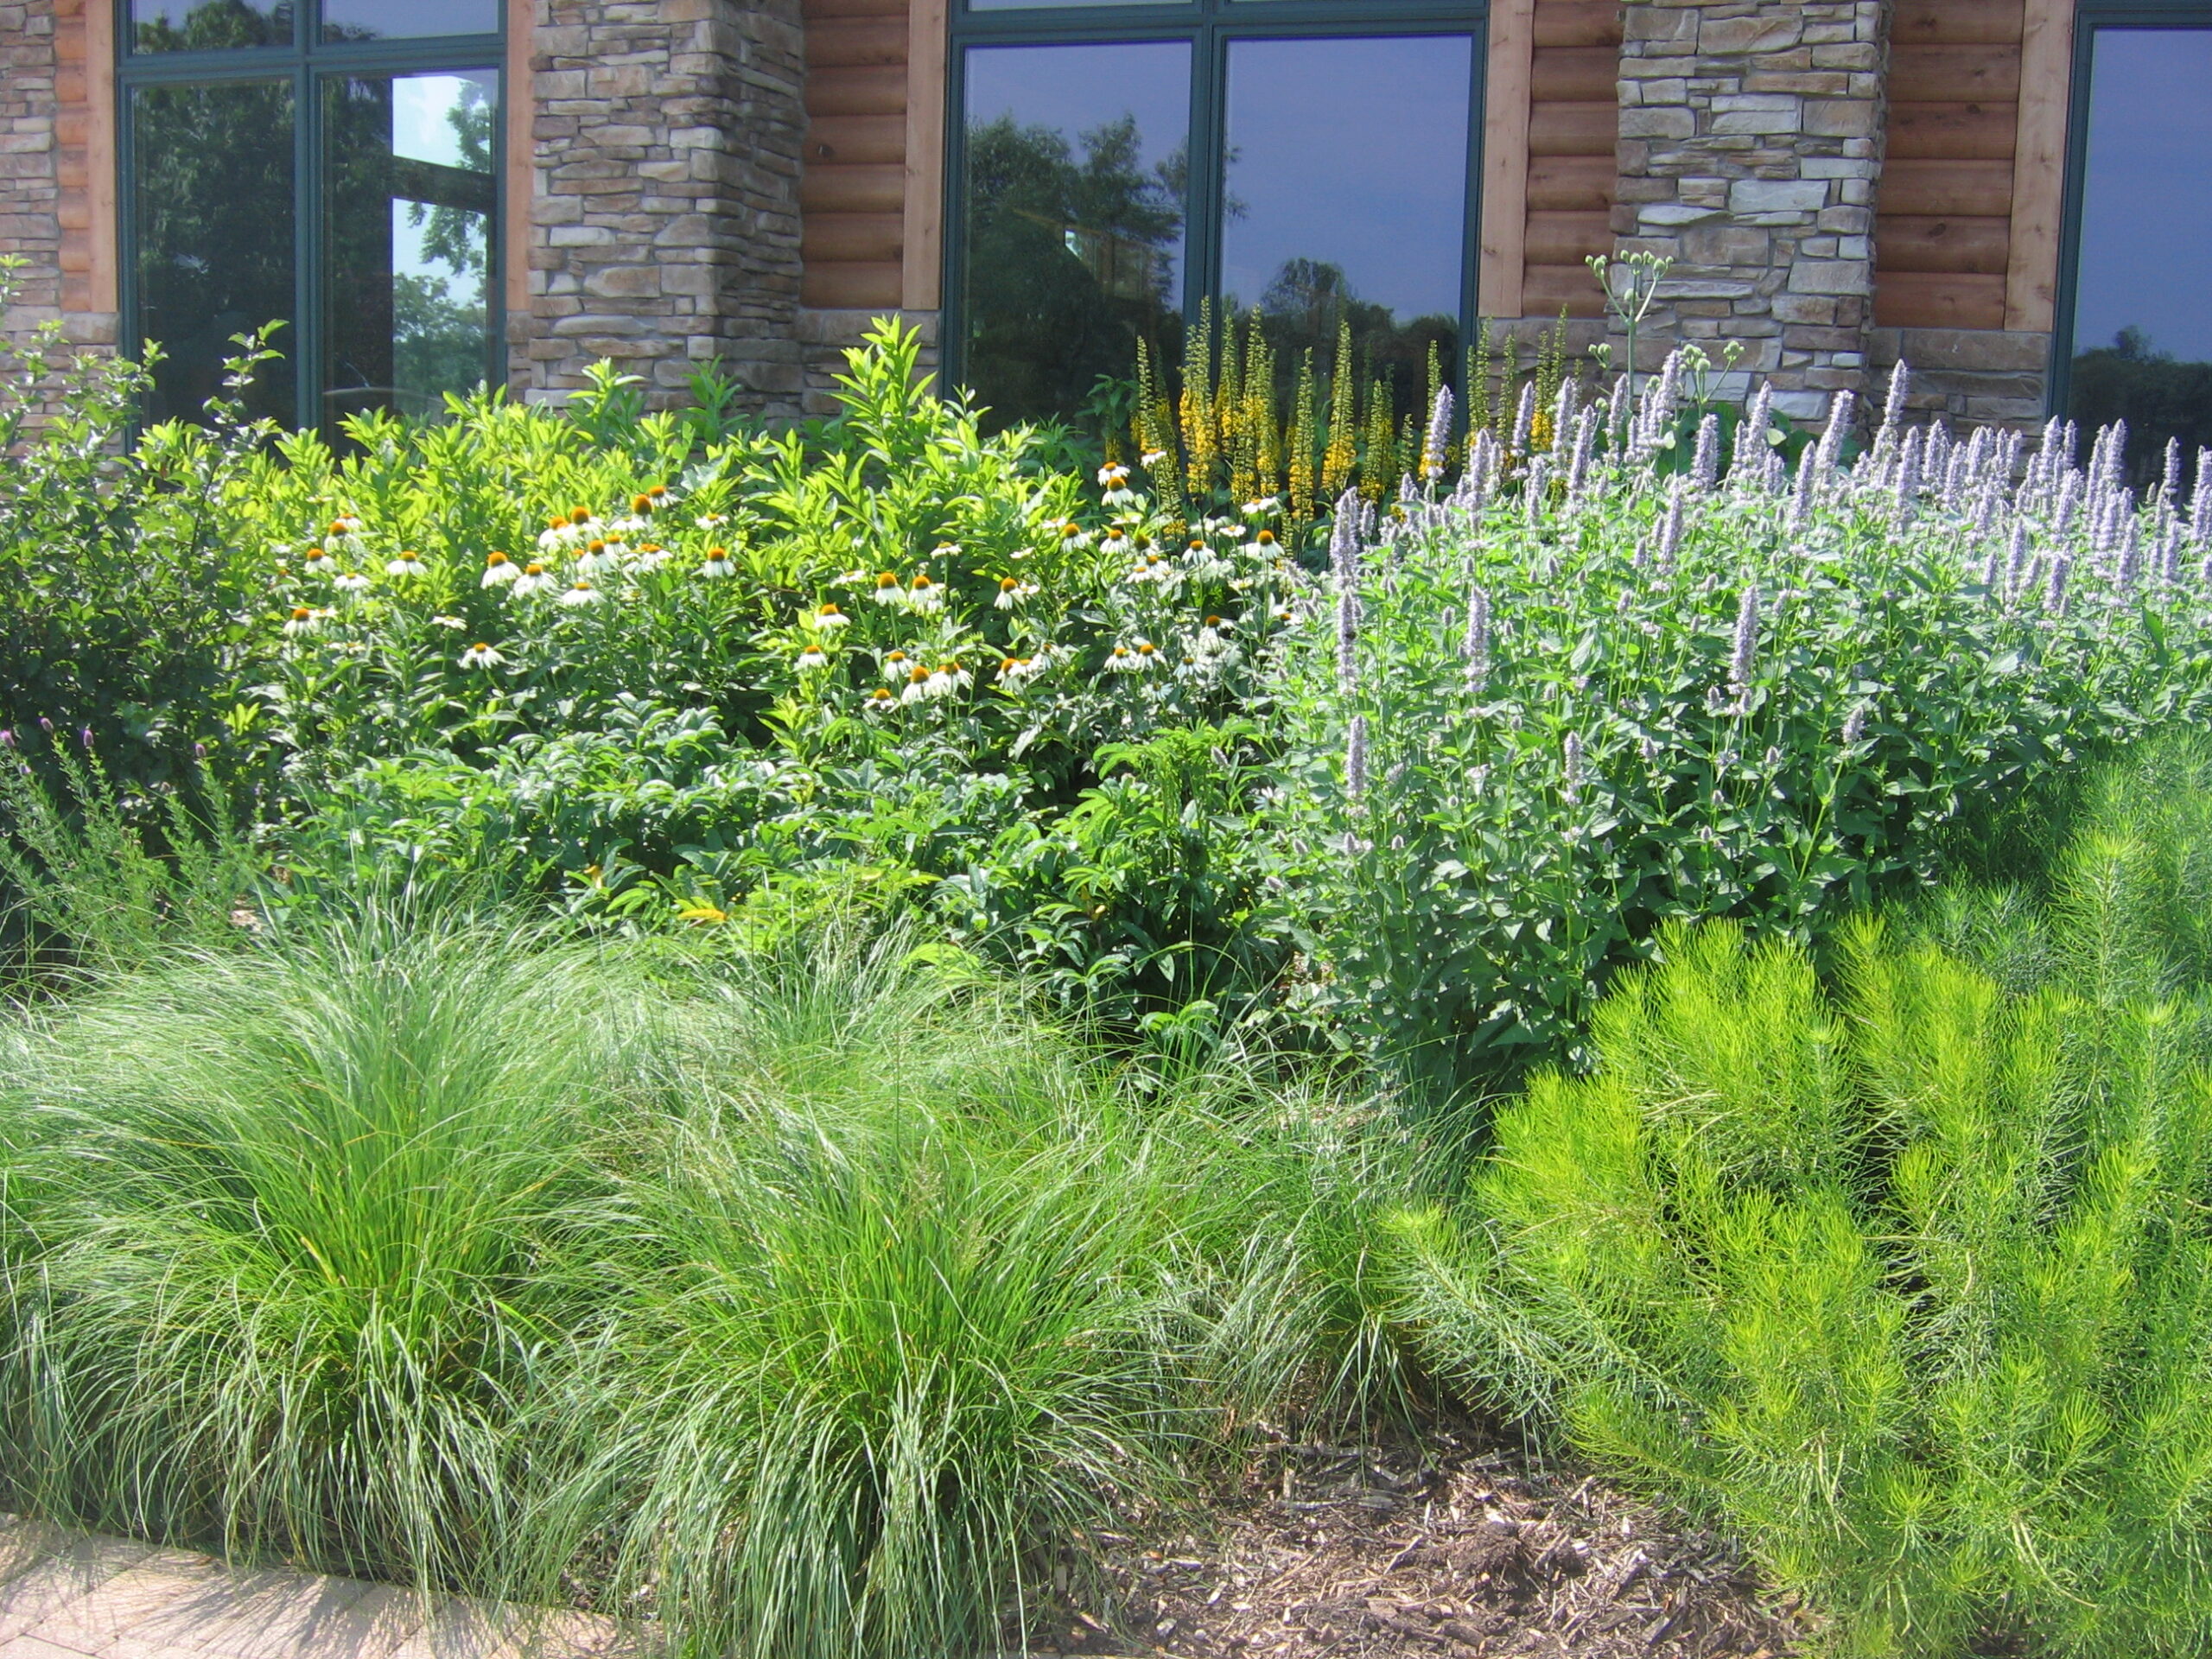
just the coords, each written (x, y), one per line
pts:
(1524, 419)
(1705, 463)
(2054, 599)
(1475, 646)
(1571, 766)
(1893, 405)
(1741, 660)
(1347, 636)
(1356, 757)
(1831, 445)
(1437, 444)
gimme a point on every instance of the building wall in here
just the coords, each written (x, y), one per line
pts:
(752, 180)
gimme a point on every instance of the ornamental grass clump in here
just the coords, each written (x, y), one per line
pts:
(276, 1244)
(1906, 1283)
(1594, 697)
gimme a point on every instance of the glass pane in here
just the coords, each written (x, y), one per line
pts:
(1073, 217)
(1346, 195)
(211, 208)
(208, 25)
(2142, 330)
(393, 20)
(409, 198)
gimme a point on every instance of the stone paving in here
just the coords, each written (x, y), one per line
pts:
(65, 1595)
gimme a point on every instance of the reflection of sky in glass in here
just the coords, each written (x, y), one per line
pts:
(422, 130)
(1077, 89)
(1353, 153)
(354, 20)
(2146, 208)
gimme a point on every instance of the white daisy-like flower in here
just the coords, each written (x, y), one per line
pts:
(1113, 475)
(304, 620)
(1013, 591)
(1263, 546)
(811, 659)
(717, 564)
(559, 537)
(888, 590)
(499, 570)
(581, 593)
(945, 679)
(623, 528)
(535, 579)
(828, 619)
(1212, 638)
(1115, 543)
(917, 680)
(449, 622)
(925, 598)
(352, 583)
(648, 558)
(343, 534)
(711, 520)
(407, 564)
(1265, 506)
(1152, 458)
(851, 579)
(1147, 655)
(481, 656)
(317, 561)
(1073, 535)
(879, 702)
(1122, 660)
(595, 557)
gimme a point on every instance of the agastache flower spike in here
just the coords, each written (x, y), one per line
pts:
(1741, 660)
(1534, 488)
(2169, 488)
(1750, 448)
(1670, 527)
(2054, 599)
(1908, 481)
(1893, 405)
(1439, 442)
(1524, 419)
(2069, 498)
(2200, 505)
(1563, 419)
(1475, 646)
(2016, 558)
(1571, 768)
(1577, 471)
(1855, 724)
(1705, 460)
(1616, 414)
(1831, 445)
(1356, 757)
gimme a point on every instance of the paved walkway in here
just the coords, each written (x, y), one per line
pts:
(70, 1597)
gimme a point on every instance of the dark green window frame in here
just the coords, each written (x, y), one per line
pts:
(308, 62)
(2090, 18)
(1208, 26)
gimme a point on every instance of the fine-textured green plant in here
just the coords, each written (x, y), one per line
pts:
(811, 1302)
(1908, 1284)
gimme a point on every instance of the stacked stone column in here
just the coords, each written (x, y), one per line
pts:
(664, 219)
(1749, 145)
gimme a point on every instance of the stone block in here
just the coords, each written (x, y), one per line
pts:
(1769, 30)
(1777, 195)
(1670, 214)
(1657, 123)
(1843, 118)
(1727, 244)
(1756, 122)
(1830, 276)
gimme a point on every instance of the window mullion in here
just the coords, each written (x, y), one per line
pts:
(306, 238)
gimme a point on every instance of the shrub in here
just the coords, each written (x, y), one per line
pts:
(1907, 1285)
(1534, 725)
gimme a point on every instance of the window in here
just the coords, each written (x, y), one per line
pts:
(2136, 333)
(1115, 166)
(332, 165)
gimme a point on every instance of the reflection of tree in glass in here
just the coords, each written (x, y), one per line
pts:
(213, 218)
(217, 26)
(2157, 396)
(398, 336)
(1301, 308)
(1068, 261)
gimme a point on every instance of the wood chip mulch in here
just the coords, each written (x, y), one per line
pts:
(1450, 1542)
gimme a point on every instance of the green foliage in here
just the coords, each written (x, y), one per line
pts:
(1906, 1284)
(816, 1300)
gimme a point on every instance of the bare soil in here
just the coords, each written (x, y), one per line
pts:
(1450, 1542)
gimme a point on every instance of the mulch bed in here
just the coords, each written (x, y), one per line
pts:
(1450, 1542)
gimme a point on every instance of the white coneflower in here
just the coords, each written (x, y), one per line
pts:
(454, 622)
(881, 700)
(946, 678)
(305, 619)
(1265, 508)
(407, 564)
(1262, 545)
(343, 534)
(1742, 657)
(1436, 444)
(1149, 658)
(925, 597)
(811, 659)
(711, 520)
(1356, 757)
(499, 570)
(717, 564)
(828, 619)
(918, 684)
(1474, 643)
(317, 561)
(649, 558)
(1571, 768)
(888, 589)
(480, 655)
(580, 593)
(1121, 660)
(595, 557)
(1212, 641)
(1116, 544)
(1113, 475)
(535, 578)
(352, 583)
(1011, 591)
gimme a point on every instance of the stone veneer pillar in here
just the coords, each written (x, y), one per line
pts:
(30, 191)
(664, 214)
(1751, 135)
